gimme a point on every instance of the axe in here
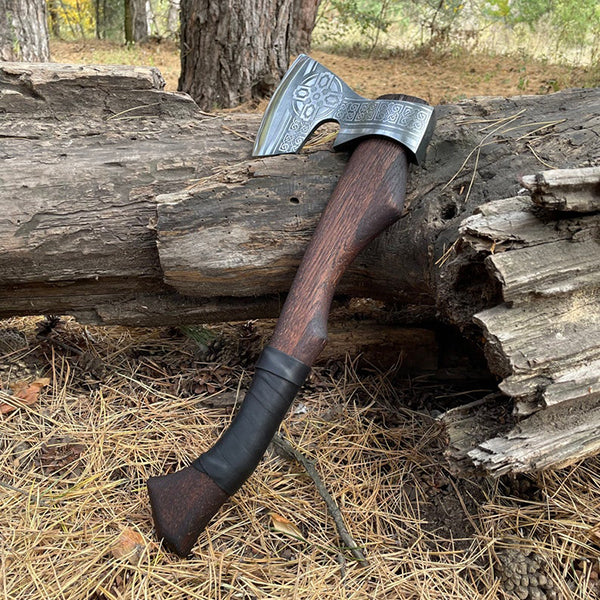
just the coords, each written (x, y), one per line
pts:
(386, 133)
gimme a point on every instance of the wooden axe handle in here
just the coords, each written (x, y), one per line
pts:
(368, 198)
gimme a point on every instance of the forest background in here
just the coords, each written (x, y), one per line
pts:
(545, 45)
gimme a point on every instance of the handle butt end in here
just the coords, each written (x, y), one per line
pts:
(182, 505)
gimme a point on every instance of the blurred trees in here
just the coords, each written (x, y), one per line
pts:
(138, 16)
(23, 30)
(173, 18)
(444, 24)
(120, 20)
(564, 27)
(572, 22)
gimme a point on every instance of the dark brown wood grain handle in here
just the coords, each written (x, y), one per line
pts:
(368, 198)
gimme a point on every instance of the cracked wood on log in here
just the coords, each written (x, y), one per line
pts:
(544, 338)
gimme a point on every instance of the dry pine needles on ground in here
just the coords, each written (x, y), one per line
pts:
(123, 405)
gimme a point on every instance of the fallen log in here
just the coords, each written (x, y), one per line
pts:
(121, 203)
(124, 204)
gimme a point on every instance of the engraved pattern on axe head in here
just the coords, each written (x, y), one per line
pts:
(317, 97)
(310, 95)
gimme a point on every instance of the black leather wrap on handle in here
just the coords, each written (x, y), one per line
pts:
(239, 450)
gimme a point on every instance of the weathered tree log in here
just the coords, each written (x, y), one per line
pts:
(544, 339)
(94, 219)
(121, 203)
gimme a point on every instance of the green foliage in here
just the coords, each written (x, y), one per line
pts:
(358, 19)
(570, 22)
(439, 20)
(577, 19)
(563, 25)
(72, 18)
(574, 20)
(434, 19)
(513, 12)
(368, 15)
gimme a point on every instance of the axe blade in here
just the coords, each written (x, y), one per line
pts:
(310, 95)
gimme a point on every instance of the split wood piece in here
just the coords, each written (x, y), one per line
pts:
(551, 438)
(566, 189)
(126, 92)
(551, 350)
(546, 335)
(472, 424)
(486, 436)
(543, 341)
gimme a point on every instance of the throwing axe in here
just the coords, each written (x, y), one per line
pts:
(385, 134)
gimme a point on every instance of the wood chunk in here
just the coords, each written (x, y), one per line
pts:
(544, 340)
(126, 92)
(536, 345)
(471, 424)
(512, 223)
(575, 190)
(382, 345)
(545, 270)
(550, 438)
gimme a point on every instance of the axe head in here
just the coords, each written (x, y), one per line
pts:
(309, 95)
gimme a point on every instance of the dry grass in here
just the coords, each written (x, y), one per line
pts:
(73, 470)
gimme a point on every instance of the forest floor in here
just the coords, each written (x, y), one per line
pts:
(88, 414)
(437, 78)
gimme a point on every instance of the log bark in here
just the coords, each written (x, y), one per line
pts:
(121, 203)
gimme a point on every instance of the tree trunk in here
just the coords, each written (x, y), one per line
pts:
(125, 204)
(54, 18)
(173, 18)
(23, 30)
(137, 20)
(98, 16)
(305, 16)
(128, 21)
(235, 50)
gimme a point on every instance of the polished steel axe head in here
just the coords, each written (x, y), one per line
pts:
(310, 95)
